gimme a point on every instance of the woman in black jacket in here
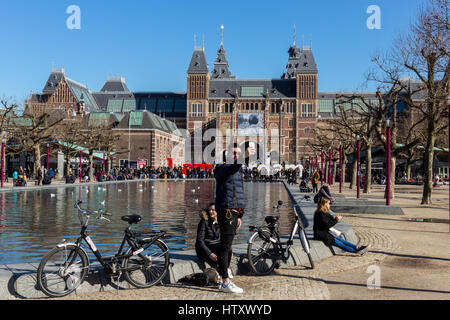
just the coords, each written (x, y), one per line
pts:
(207, 244)
(323, 221)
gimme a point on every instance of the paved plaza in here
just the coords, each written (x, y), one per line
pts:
(411, 257)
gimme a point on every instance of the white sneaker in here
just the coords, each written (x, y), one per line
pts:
(230, 275)
(231, 288)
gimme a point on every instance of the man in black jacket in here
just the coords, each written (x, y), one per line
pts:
(230, 204)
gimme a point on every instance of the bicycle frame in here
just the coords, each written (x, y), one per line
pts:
(284, 251)
(120, 255)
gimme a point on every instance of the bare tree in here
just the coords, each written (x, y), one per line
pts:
(69, 134)
(29, 132)
(424, 53)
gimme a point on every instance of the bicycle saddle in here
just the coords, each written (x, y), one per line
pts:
(132, 218)
(271, 219)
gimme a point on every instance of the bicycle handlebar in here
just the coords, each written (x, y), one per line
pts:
(100, 212)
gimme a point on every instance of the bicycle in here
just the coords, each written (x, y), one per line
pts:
(144, 263)
(265, 250)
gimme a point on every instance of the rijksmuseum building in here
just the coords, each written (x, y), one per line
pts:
(278, 114)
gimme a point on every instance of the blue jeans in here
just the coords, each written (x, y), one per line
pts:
(345, 245)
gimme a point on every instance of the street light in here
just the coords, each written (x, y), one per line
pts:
(321, 166)
(48, 155)
(340, 168)
(388, 162)
(330, 182)
(358, 147)
(81, 166)
(3, 155)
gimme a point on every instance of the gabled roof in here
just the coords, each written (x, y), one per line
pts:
(53, 80)
(221, 69)
(115, 85)
(80, 91)
(198, 62)
(300, 61)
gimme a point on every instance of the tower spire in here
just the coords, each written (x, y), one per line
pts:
(295, 34)
(221, 35)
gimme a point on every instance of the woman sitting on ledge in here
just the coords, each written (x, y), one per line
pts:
(323, 221)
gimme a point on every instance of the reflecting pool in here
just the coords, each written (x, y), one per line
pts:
(32, 222)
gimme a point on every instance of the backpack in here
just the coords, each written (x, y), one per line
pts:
(323, 190)
(209, 277)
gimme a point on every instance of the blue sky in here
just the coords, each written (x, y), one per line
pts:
(150, 42)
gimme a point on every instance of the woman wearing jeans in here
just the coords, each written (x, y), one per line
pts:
(323, 221)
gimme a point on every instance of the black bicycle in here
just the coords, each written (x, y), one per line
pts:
(265, 249)
(144, 262)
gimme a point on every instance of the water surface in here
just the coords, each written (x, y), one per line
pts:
(33, 222)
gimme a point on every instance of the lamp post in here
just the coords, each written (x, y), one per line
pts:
(81, 166)
(330, 182)
(321, 170)
(358, 186)
(48, 155)
(388, 163)
(340, 168)
(3, 157)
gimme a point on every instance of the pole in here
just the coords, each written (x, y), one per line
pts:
(48, 156)
(358, 185)
(3, 157)
(81, 167)
(321, 165)
(388, 165)
(330, 182)
(104, 164)
(340, 169)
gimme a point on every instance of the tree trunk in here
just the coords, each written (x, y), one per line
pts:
(333, 177)
(91, 166)
(408, 170)
(428, 169)
(393, 164)
(37, 159)
(67, 166)
(108, 162)
(392, 186)
(344, 166)
(354, 172)
(368, 180)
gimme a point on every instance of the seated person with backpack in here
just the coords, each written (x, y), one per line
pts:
(324, 191)
(207, 244)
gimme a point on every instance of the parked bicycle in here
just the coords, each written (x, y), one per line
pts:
(144, 262)
(265, 249)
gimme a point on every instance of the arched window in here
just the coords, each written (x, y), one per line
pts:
(247, 107)
(226, 108)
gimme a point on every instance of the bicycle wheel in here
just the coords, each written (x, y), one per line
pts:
(62, 271)
(142, 275)
(262, 254)
(306, 246)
